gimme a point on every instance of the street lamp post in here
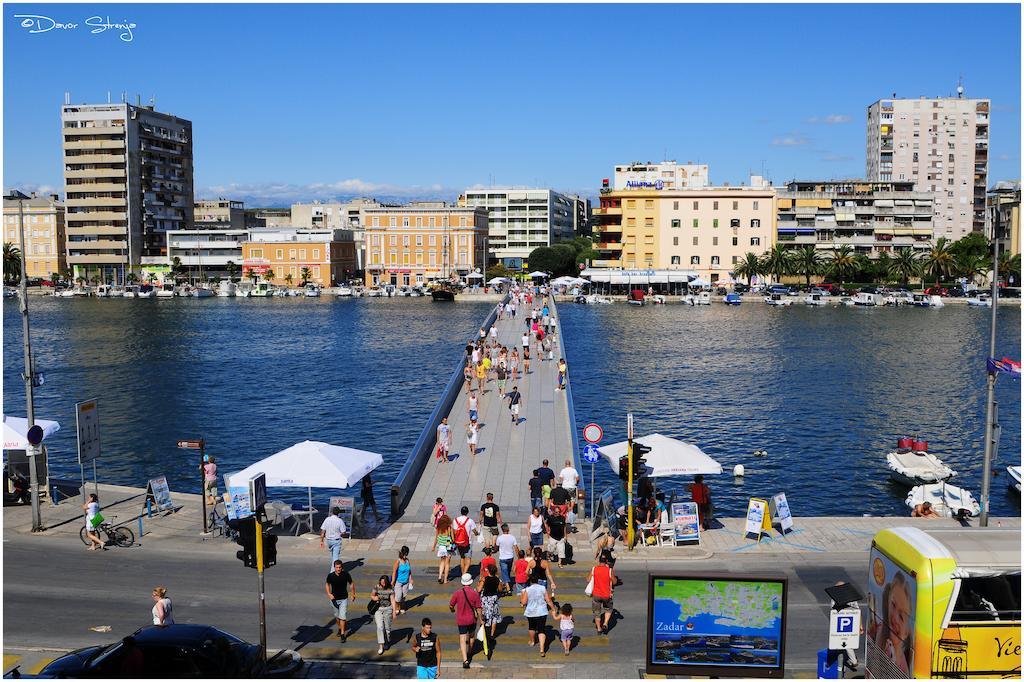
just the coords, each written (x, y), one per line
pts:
(991, 426)
(28, 375)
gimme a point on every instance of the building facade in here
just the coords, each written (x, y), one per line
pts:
(44, 234)
(128, 181)
(870, 217)
(521, 220)
(707, 231)
(941, 145)
(661, 176)
(582, 210)
(206, 252)
(416, 244)
(1004, 212)
(270, 217)
(219, 214)
(329, 255)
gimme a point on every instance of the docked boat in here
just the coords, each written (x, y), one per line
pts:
(10, 292)
(815, 299)
(911, 464)
(777, 299)
(441, 292)
(226, 289)
(415, 292)
(131, 291)
(312, 290)
(699, 298)
(104, 291)
(732, 299)
(657, 299)
(982, 301)
(375, 292)
(847, 301)
(166, 290)
(636, 297)
(1014, 472)
(593, 299)
(202, 292)
(345, 291)
(867, 300)
(147, 291)
(926, 301)
(263, 290)
(947, 500)
(243, 290)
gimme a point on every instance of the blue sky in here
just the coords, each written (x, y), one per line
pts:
(321, 101)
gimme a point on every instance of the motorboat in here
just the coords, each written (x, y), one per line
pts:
(898, 298)
(777, 299)
(166, 290)
(147, 291)
(243, 290)
(911, 464)
(699, 298)
(202, 292)
(281, 293)
(927, 301)
(733, 299)
(980, 301)
(359, 292)
(947, 500)
(312, 290)
(104, 291)
(657, 299)
(345, 291)
(847, 301)
(815, 299)
(10, 292)
(390, 290)
(415, 292)
(226, 289)
(593, 299)
(867, 300)
(132, 291)
(1014, 473)
(263, 290)
(404, 291)
(636, 297)
(374, 292)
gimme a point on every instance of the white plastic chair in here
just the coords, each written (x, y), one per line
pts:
(668, 531)
(641, 529)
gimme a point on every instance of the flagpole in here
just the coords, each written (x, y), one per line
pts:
(986, 472)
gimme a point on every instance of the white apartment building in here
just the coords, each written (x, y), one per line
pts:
(939, 144)
(658, 176)
(520, 220)
(336, 215)
(206, 252)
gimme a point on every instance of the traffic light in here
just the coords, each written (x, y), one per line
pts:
(269, 550)
(639, 464)
(247, 539)
(624, 468)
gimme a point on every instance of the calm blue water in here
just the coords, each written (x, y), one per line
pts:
(826, 392)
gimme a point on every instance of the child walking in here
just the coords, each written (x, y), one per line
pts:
(566, 626)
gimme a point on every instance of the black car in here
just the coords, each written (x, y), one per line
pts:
(956, 292)
(869, 290)
(160, 652)
(741, 288)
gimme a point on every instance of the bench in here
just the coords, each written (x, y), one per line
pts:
(63, 489)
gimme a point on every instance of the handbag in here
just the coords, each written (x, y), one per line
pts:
(96, 520)
(589, 589)
(372, 606)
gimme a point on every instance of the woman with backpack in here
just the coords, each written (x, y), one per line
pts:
(443, 543)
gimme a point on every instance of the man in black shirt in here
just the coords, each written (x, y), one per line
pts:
(427, 648)
(514, 399)
(546, 474)
(490, 518)
(536, 492)
(556, 533)
(340, 589)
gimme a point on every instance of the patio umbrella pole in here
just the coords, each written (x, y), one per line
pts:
(309, 491)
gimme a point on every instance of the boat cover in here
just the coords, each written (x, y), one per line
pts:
(921, 466)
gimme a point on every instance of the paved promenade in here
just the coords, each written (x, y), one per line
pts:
(506, 454)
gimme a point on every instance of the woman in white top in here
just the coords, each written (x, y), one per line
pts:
(163, 612)
(92, 508)
(472, 432)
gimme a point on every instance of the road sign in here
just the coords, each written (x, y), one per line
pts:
(34, 436)
(88, 421)
(191, 444)
(592, 433)
(844, 628)
(590, 453)
(257, 492)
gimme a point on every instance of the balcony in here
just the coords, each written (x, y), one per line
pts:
(95, 201)
(97, 245)
(94, 158)
(94, 144)
(96, 187)
(97, 259)
(95, 130)
(608, 210)
(96, 230)
(96, 173)
(94, 216)
(606, 263)
(609, 246)
(205, 244)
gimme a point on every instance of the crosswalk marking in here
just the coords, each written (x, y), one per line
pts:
(524, 655)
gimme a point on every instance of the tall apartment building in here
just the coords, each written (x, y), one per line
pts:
(44, 233)
(1004, 211)
(417, 243)
(658, 176)
(521, 220)
(582, 210)
(706, 231)
(219, 214)
(870, 217)
(941, 145)
(128, 180)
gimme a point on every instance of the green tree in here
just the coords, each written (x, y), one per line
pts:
(971, 265)
(268, 276)
(288, 279)
(1009, 266)
(972, 243)
(305, 274)
(883, 267)
(938, 262)
(498, 270)
(556, 260)
(841, 264)
(864, 267)
(777, 262)
(232, 270)
(131, 278)
(905, 266)
(749, 267)
(12, 263)
(806, 262)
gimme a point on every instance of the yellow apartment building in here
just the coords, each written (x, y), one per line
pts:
(329, 255)
(45, 251)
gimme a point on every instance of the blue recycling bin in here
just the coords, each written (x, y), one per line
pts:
(827, 670)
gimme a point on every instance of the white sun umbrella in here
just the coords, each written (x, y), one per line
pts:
(499, 280)
(474, 275)
(537, 273)
(698, 282)
(668, 457)
(311, 464)
(16, 429)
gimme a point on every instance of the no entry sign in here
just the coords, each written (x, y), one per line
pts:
(592, 433)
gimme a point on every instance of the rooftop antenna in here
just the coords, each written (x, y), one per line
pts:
(67, 97)
(108, 96)
(960, 87)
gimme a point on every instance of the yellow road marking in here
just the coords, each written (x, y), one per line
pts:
(35, 669)
(10, 660)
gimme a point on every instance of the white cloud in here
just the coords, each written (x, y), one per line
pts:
(831, 119)
(38, 188)
(282, 193)
(793, 140)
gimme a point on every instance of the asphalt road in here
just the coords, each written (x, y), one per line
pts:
(58, 596)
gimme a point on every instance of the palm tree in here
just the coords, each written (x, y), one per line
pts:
(971, 265)
(841, 263)
(12, 263)
(1010, 265)
(288, 279)
(905, 266)
(883, 267)
(305, 273)
(268, 276)
(777, 262)
(131, 278)
(232, 270)
(939, 260)
(806, 262)
(749, 267)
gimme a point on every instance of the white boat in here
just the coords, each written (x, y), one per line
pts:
(593, 299)
(243, 290)
(166, 290)
(1014, 472)
(10, 292)
(867, 300)
(131, 291)
(927, 301)
(202, 292)
(403, 291)
(312, 290)
(263, 290)
(815, 299)
(912, 468)
(846, 300)
(699, 298)
(280, 292)
(982, 301)
(358, 292)
(947, 500)
(415, 292)
(104, 291)
(374, 292)
(345, 291)
(657, 299)
(226, 289)
(777, 299)
(390, 290)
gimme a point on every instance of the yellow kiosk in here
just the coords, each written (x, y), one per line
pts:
(944, 603)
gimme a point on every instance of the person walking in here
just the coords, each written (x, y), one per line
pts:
(521, 571)
(489, 588)
(443, 544)
(366, 493)
(535, 527)
(481, 376)
(444, 439)
(438, 511)
(93, 519)
(536, 492)
(331, 531)
(547, 475)
(467, 607)
(701, 494)
(566, 626)
(602, 579)
(490, 519)
(502, 374)
(526, 361)
(541, 570)
(384, 594)
(554, 526)
(463, 529)
(514, 398)
(467, 374)
(508, 547)
(563, 372)
(340, 589)
(427, 648)
(472, 436)
(472, 405)
(163, 611)
(513, 365)
(494, 333)
(401, 578)
(538, 604)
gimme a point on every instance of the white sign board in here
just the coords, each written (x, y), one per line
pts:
(88, 420)
(782, 512)
(844, 628)
(755, 517)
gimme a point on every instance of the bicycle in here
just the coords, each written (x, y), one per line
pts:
(120, 536)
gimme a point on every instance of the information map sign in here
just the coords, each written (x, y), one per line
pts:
(783, 515)
(686, 522)
(236, 502)
(159, 493)
(719, 626)
(759, 519)
(347, 506)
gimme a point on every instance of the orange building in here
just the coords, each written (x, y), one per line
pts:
(426, 241)
(329, 255)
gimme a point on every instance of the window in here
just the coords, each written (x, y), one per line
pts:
(714, 205)
(735, 222)
(462, 221)
(430, 221)
(755, 241)
(302, 254)
(755, 205)
(630, 203)
(987, 599)
(433, 239)
(735, 241)
(696, 206)
(405, 258)
(648, 222)
(695, 240)
(714, 241)
(393, 221)
(755, 222)
(292, 253)
(631, 222)
(695, 223)
(405, 239)
(675, 241)
(735, 205)
(280, 254)
(419, 221)
(316, 254)
(714, 260)
(419, 238)
(675, 206)
(714, 222)
(405, 221)
(376, 221)
(735, 260)
(394, 240)
(675, 260)
(316, 271)
(694, 260)
(675, 222)
(648, 203)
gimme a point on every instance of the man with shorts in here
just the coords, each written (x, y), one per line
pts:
(490, 519)
(514, 398)
(427, 648)
(467, 607)
(463, 528)
(601, 596)
(444, 439)
(340, 589)
(502, 378)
